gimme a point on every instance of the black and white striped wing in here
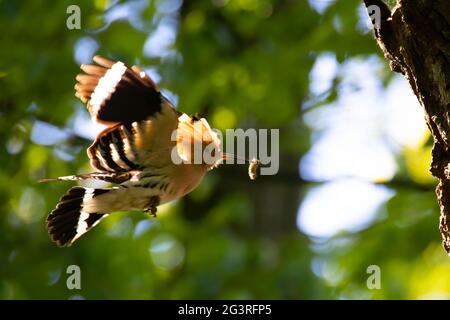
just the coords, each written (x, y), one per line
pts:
(135, 145)
(115, 93)
(140, 119)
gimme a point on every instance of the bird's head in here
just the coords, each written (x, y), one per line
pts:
(200, 145)
(197, 143)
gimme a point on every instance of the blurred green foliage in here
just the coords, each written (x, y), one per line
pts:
(242, 63)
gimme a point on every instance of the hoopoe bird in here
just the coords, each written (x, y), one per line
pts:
(135, 151)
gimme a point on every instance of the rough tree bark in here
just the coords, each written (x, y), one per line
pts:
(415, 38)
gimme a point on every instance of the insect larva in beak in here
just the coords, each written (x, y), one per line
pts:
(253, 169)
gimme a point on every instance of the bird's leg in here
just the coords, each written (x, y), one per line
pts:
(152, 205)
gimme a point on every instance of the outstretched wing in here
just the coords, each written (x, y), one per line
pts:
(115, 93)
(135, 145)
(140, 120)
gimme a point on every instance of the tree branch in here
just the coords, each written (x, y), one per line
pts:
(415, 38)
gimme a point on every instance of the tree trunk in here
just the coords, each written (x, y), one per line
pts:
(415, 38)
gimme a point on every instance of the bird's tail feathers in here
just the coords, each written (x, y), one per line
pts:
(70, 220)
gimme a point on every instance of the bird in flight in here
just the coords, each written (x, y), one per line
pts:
(139, 151)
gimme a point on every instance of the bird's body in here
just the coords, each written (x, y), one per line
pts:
(136, 151)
